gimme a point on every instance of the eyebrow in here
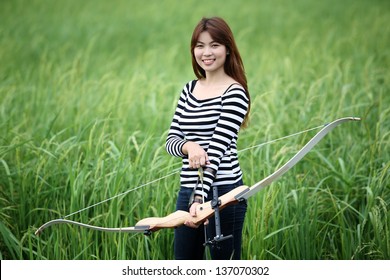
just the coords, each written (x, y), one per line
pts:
(200, 42)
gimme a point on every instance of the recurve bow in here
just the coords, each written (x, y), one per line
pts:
(205, 210)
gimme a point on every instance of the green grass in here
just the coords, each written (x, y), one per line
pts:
(88, 90)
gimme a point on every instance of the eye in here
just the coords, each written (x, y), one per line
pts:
(199, 46)
(215, 45)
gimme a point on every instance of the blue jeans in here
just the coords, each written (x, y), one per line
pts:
(188, 243)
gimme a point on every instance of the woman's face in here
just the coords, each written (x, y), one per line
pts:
(209, 55)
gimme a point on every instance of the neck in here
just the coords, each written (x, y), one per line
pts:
(216, 78)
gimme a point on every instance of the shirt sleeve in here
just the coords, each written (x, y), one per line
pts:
(235, 105)
(176, 139)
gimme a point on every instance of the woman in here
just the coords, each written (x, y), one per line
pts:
(204, 132)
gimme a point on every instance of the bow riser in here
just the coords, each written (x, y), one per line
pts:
(203, 212)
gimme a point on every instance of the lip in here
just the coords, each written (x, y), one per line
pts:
(208, 61)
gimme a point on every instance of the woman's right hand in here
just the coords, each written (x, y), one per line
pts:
(197, 156)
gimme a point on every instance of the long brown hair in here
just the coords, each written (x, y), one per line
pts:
(220, 32)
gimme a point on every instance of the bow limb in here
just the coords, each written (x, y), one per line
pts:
(294, 160)
(148, 225)
(135, 229)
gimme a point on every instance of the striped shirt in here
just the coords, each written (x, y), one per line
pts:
(214, 124)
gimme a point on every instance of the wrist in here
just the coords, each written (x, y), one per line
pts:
(185, 148)
(197, 200)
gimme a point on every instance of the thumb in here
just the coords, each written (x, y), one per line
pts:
(193, 209)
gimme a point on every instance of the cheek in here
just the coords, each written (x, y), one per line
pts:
(198, 56)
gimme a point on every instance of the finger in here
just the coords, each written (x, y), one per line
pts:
(207, 159)
(195, 162)
(193, 209)
(191, 224)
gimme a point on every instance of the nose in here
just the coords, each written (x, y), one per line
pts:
(207, 51)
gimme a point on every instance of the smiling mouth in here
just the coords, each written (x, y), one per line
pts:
(208, 61)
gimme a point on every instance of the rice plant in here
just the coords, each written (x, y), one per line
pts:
(88, 90)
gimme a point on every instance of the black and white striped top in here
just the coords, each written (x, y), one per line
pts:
(214, 124)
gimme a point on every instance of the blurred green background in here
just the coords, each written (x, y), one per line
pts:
(88, 90)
